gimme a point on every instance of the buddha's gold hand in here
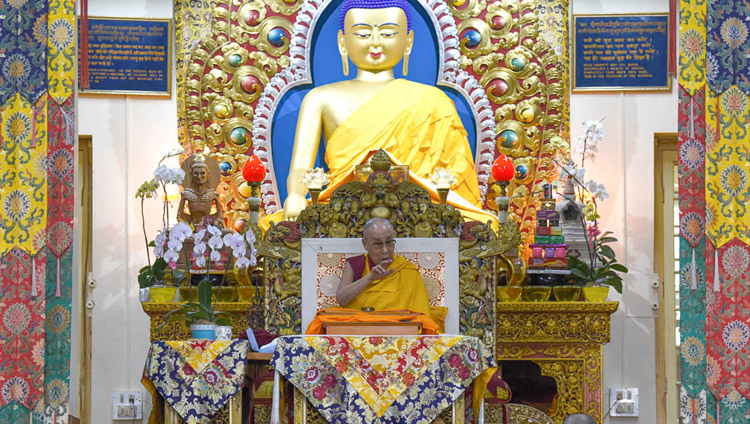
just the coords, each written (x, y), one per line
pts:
(293, 205)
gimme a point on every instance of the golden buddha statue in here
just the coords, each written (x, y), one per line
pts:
(415, 123)
(199, 193)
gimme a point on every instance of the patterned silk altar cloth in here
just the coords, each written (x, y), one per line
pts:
(384, 379)
(196, 377)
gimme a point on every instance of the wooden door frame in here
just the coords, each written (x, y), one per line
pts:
(665, 148)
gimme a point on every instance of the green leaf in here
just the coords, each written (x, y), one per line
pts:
(578, 273)
(619, 267)
(607, 252)
(607, 240)
(204, 294)
(159, 268)
(617, 284)
(144, 280)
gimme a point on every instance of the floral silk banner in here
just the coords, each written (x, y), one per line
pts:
(196, 377)
(714, 220)
(358, 379)
(37, 145)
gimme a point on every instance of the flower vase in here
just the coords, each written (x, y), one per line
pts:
(203, 331)
(144, 294)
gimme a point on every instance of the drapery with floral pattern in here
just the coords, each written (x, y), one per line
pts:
(714, 160)
(388, 379)
(37, 132)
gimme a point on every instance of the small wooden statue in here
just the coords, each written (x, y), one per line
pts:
(202, 176)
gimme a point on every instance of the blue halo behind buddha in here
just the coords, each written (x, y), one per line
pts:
(326, 68)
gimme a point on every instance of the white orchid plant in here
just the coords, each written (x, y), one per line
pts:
(602, 266)
(152, 274)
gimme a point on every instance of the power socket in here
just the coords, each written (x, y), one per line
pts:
(127, 405)
(623, 401)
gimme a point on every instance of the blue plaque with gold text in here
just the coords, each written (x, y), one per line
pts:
(621, 52)
(129, 56)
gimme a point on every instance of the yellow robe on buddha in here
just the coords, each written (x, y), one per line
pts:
(418, 126)
(402, 289)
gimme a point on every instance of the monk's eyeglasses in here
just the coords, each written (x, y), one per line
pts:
(390, 244)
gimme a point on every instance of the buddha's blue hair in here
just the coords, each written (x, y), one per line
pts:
(375, 4)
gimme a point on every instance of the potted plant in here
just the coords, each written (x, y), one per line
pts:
(600, 270)
(200, 316)
(154, 275)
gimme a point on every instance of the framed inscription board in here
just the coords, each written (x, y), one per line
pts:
(620, 52)
(129, 56)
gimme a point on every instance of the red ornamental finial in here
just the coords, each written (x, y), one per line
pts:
(254, 171)
(503, 169)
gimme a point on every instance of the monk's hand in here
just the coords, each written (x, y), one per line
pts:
(381, 270)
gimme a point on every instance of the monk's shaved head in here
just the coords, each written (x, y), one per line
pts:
(376, 222)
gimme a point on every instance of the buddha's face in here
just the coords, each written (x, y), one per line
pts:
(199, 174)
(375, 39)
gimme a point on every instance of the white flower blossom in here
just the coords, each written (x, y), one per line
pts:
(215, 255)
(169, 175)
(597, 190)
(174, 150)
(200, 261)
(571, 169)
(171, 257)
(180, 231)
(242, 262)
(199, 249)
(215, 242)
(159, 242)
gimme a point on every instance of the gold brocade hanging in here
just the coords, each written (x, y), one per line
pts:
(727, 166)
(692, 66)
(23, 175)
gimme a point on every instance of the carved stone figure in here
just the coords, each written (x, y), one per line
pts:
(199, 196)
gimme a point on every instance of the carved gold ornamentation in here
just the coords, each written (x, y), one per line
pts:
(177, 330)
(565, 339)
(494, 413)
(524, 414)
(524, 81)
(229, 69)
(555, 322)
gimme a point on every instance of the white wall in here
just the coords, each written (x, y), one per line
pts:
(130, 135)
(625, 164)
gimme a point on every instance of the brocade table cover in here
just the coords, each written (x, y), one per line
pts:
(196, 377)
(388, 379)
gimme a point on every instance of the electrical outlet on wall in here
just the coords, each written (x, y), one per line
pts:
(127, 405)
(623, 401)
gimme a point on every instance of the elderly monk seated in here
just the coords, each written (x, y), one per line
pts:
(379, 280)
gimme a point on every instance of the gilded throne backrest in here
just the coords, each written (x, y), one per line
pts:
(323, 260)
(495, 55)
